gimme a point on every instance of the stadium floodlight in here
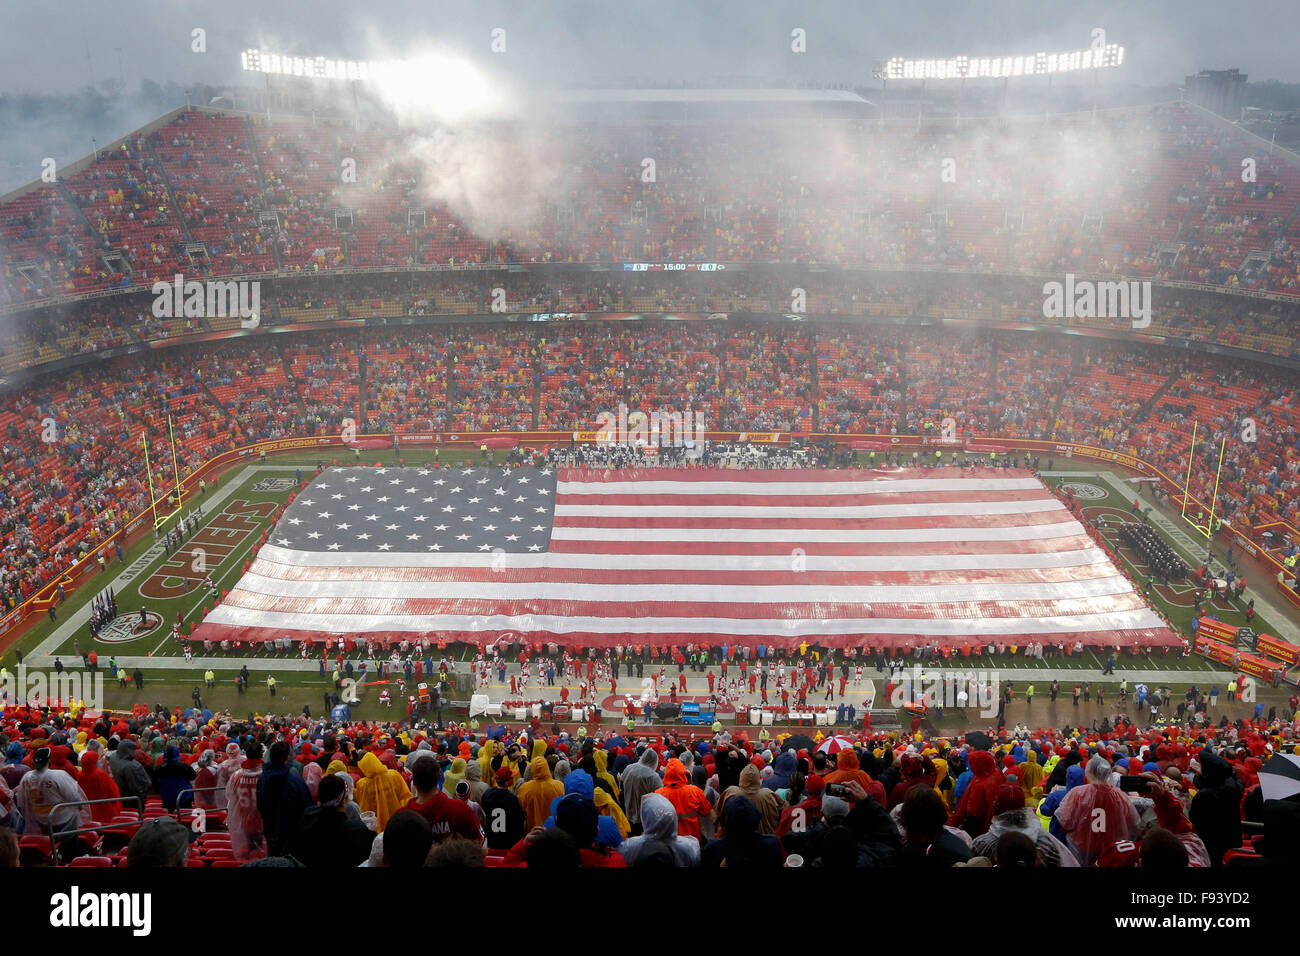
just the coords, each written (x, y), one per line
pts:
(1002, 67)
(312, 67)
(444, 85)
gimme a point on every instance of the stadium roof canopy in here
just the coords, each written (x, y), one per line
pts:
(738, 103)
(713, 96)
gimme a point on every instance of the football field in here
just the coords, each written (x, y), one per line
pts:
(170, 588)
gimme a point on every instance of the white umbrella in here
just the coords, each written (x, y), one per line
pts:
(833, 745)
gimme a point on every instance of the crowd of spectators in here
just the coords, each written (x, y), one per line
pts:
(1140, 400)
(306, 792)
(1088, 194)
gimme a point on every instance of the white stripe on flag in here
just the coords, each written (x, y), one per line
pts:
(669, 593)
(685, 562)
(802, 536)
(941, 509)
(973, 628)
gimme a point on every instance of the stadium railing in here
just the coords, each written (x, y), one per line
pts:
(57, 836)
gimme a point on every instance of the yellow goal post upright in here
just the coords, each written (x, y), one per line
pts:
(178, 493)
(1206, 530)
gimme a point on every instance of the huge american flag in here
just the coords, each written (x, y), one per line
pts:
(676, 556)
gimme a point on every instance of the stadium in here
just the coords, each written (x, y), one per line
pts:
(884, 475)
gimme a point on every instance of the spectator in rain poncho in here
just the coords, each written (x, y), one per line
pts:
(1088, 832)
(780, 779)
(640, 778)
(768, 803)
(453, 776)
(613, 826)
(1048, 807)
(473, 776)
(98, 785)
(338, 769)
(1012, 816)
(659, 820)
(205, 778)
(234, 756)
(312, 774)
(537, 795)
(700, 778)
(247, 834)
(129, 774)
(381, 791)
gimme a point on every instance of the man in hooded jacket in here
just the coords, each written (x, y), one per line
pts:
(687, 799)
(282, 798)
(128, 773)
(770, 806)
(639, 779)
(325, 837)
(659, 819)
(743, 846)
(1216, 809)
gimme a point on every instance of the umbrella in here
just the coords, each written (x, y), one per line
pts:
(834, 745)
(798, 742)
(1280, 777)
(979, 740)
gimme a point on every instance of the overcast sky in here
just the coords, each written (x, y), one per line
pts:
(45, 46)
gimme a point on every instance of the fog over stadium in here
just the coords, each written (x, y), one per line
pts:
(592, 45)
(505, 183)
